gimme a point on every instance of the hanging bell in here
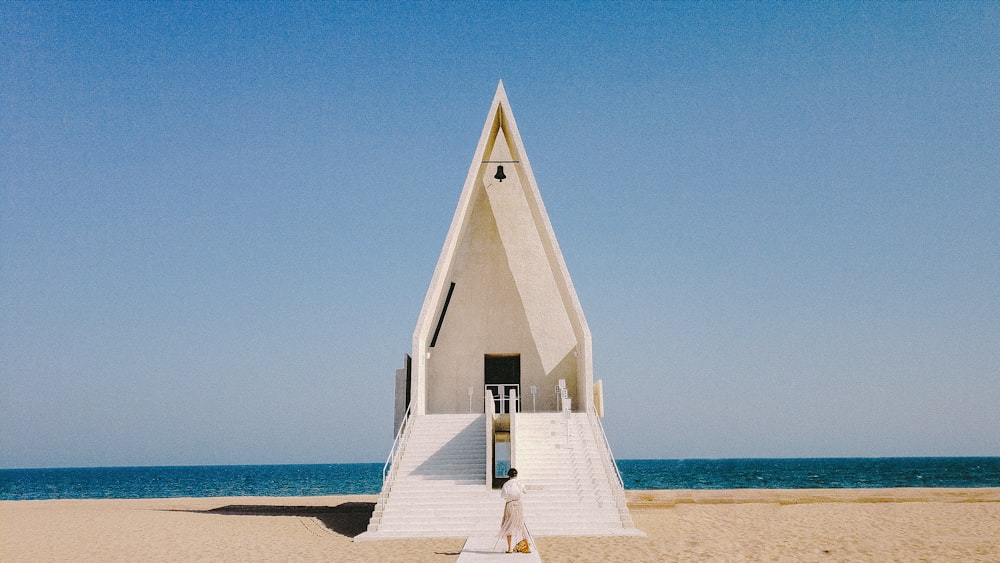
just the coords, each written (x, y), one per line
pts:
(500, 175)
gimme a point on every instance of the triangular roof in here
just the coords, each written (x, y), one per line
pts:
(533, 255)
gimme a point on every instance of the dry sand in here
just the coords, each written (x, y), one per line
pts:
(773, 525)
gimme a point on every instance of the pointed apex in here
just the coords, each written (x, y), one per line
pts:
(501, 93)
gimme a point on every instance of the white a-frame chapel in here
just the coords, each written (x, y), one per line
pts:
(500, 374)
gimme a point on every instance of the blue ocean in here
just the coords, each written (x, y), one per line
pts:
(366, 478)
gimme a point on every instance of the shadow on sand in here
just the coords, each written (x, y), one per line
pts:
(347, 519)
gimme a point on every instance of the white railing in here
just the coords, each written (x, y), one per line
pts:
(501, 392)
(397, 445)
(595, 423)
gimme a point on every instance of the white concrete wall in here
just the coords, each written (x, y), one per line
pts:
(485, 316)
(525, 254)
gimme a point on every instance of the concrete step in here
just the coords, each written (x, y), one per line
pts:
(440, 518)
(430, 465)
(438, 485)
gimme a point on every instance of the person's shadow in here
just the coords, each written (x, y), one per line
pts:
(347, 519)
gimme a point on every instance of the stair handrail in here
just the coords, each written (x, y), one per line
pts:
(607, 447)
(397, 445)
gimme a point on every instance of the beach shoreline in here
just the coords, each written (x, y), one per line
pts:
(732, 524)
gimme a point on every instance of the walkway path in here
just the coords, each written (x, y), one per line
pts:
(486, 549)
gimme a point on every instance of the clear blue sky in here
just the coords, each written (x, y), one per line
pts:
(218, 221)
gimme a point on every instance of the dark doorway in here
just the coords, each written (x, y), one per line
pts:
(503, 369)
(502, 373)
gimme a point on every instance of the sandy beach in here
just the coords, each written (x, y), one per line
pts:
(733, 525)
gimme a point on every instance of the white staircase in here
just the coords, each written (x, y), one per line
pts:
(438, 485)
(571, 488)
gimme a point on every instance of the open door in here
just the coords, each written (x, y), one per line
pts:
(502, 374)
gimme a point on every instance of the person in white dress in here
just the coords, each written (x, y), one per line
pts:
(512, 525)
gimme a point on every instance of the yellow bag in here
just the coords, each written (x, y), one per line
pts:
(522, 547)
